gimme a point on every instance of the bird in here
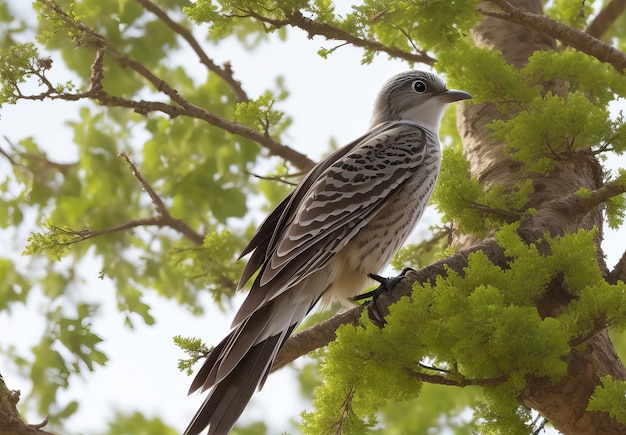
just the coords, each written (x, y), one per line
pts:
(344, 221)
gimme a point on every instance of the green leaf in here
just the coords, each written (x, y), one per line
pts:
(610, 397)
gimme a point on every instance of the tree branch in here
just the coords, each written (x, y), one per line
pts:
(583, 204)
(10, 421)
(462, 382)
(225, 72)
(619, 271)
(25, 156)
(577, 39)
(182, 107)
(296, 19)
(315, 337)
(164, 219)
(508, 216)
(330, 32)
(605, 19)
(280, 179)
(82, 235)
(323, 333)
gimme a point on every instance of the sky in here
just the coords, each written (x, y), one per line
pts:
(328, 99)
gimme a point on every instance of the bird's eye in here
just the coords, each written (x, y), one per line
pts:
(419, 86)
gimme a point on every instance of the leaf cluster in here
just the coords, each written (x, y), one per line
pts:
(395, 24)
(67, 348)
(610, 397)
(478, 328)
(541, 128)
(482, 209)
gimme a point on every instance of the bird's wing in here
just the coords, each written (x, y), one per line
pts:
(338, 198)
(263, 241)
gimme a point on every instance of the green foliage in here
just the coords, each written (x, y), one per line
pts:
(616, 206)
(541, 129)
(577, 71)
(51, 367)
(354, 386)
(17, 64)
(14, 288)
(214, 263)
(137, 424)
(194, 347)
(456, 190)
(219, 18)
(259, 114)
(489, 79)
(55, 242)
(460, 329)
(573, 14)
(395, 24)
(458, 194)
(392, 25)
(610, 397)
(501, 413)
(553, 129)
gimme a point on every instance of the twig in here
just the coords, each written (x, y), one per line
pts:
(63, 167)
(82, 235)
(280, 179)
(434, 369)
(296, 19)
(599, 326)
(163, 219)
(508, 216)
(605, 18)
(225, 72)
(575, 38)
(9, 157)
(463, 382)
(619, 271)
(156, 199)
(541, 426)
(346, 407)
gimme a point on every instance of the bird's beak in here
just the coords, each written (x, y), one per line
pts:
(452, 95)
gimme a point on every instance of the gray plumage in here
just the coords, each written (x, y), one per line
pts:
(346, 218)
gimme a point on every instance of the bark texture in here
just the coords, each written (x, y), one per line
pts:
(563, 404)
(10, 421)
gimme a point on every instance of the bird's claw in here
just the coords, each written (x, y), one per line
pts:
(386, 285)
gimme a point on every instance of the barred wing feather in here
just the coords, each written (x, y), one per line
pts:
(338, 198)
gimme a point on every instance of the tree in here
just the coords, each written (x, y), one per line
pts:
(514, 300)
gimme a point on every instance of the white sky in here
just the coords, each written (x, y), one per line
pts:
(329, 98)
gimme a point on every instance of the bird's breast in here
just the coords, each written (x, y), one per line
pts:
(374, 245)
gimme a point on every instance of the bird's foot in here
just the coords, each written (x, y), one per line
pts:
(386, 285)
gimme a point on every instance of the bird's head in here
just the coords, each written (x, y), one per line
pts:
(417, 96)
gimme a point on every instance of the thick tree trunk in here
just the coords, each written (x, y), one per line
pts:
(10, 421)
(563, 404)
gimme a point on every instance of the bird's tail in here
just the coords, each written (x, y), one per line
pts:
(229, 397)
(239, 365)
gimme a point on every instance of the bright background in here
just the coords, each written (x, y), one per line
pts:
(328, 99)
